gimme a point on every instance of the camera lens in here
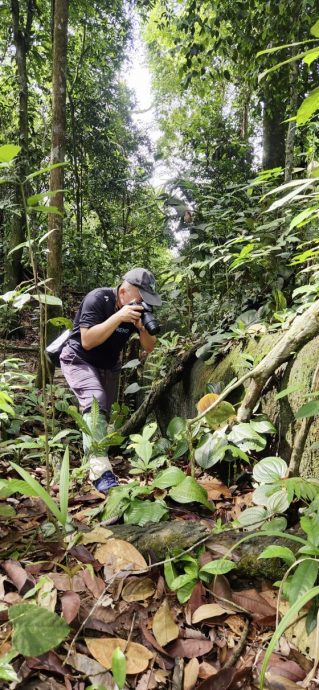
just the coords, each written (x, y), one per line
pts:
(150, 323)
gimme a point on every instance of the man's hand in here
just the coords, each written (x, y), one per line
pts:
(130, 313)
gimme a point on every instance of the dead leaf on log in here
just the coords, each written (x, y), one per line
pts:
(164, 627)
(252, 601)
(71, 603)
(208, 611)
(137, 656)
(189, 648)
(191, 674)
(215, 489)
(221, 588)
(120, 555)
(98, 535)
(138, 589)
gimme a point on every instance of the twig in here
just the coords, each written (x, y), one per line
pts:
(178, 672)
(237, 652)
(130, 633)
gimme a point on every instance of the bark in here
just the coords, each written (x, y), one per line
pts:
(273, 127)
(55, 225)
(174, 375)
(160, 539)
(21, 38)
(301, 436)
(304, 327)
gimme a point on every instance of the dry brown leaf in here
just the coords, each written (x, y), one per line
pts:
(47, 595)
(206, 670)
(65, 583)
(93, 670)
(120, 555)
(164, 627)
(138, 589)
(98, 535)
(102, 648)
(215, 489)
(190, 648)
(191, 674)
(94, 583)
(71, 603)
(208, 611)
(147, 681)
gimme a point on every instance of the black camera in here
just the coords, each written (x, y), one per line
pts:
(148, 321)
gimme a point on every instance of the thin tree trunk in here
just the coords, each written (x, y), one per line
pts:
(291, 132)
(21, 38)
(55, 225)
(273, 127)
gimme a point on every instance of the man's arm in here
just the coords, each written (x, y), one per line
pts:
(147, 341)
(96, 335)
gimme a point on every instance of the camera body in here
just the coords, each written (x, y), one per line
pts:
(148, 320)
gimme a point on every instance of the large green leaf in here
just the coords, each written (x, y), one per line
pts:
(59, 321)
(278, 552)
(36, 630)
(169, 477)
(8, 487)
(49, 299)
(176, 427)
(244, 436)
(220, 566)
(270, 470)
(252, 517)
(8, 152)
(308, 107)
(189, 491)
(142, 512)
(212, 450)
(309, 409)
(303, 579)
(40, 492)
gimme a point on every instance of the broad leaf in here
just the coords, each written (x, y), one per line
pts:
(172, 476)
(270, 470)
(219, 567)
(36, 630)
(142, 512)
(309, 409)
(176, 428)
(278, 552)
(189, 491)
(8, 152)
(244, 436)
(212, 450)
(303, 579)
(252, 517)
(219, 414)
(49, 299)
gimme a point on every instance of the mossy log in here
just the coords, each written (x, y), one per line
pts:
(160, 539)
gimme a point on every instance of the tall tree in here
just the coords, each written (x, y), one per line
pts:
(55, 225)
(22, 40)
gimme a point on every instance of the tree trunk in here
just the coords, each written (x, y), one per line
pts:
(291, 132)
(273, 127)
(21, 38)
(55, 225)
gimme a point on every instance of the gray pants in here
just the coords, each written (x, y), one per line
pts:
(88, 382)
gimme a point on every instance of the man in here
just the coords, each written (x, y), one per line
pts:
(90, 361)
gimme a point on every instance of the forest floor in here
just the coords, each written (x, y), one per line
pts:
(111, 596)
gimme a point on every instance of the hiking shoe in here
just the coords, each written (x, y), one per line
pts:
(105, 482)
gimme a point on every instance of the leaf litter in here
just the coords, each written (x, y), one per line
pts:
(103, 595)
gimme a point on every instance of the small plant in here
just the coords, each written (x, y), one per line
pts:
(144, 462)
(183, 573)
(31, 487)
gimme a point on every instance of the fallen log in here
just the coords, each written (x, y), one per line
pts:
(159, 540)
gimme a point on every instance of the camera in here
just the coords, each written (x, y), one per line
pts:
(148, 320)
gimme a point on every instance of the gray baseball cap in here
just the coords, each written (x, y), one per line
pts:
(145, 282)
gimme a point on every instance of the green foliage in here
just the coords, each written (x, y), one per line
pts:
(27, 620)
(119, 667)
(183, 573)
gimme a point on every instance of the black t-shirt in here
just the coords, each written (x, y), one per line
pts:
(97, 306)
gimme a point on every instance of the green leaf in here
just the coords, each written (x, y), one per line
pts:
(132, 364)
(277, 523)
(9, 152)
(36, 630)
(315, 29)
(287, 391)
(172, 476)
(308, 107)
(64, 485)
(6, 511)
(132, 388)
(184, 593)
(278, 552)
(49, 299)
(4, 403)
(142, 512)
(212, 450)
(45, 209)
(119, 667)
(189, 491)
(309, 409)
(59, 321)
(8, 487)
(40, 492)
(28, 244)
(262, 426)
(302, 216)
(176, 428)
(303, 579)
(244, 436)
(33, 200)
(7, 671)
(169, 572)
(288, 618)
(45, 170)
(219, 567)
(278, 502)
(252, 517)
(270, 470)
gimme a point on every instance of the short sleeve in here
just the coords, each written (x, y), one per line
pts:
(96, 308)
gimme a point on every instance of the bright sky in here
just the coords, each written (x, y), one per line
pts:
(138, 78)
